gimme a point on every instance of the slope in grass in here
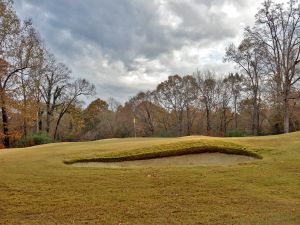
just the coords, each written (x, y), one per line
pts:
(168, 150)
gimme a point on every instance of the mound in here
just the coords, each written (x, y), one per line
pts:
(171, 150)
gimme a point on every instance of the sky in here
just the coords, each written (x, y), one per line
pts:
(127, 46)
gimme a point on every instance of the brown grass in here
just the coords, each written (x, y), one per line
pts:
(36, 187)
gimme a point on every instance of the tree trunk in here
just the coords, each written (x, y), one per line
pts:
(235, 113)
(48, 121)
(48, 112)
(208, 128)
(180, 119)
(25, 117)
(286, 119)
(39, 121)
(5, 125)
(4, 120)
(224, 122)
(56, 128)
(257, 125)
(25, 127)
(255, 115)
(188, 121)
(24, 105)
(149, 122)
(255, 119)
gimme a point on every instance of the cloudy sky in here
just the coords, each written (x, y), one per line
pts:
(124, 46)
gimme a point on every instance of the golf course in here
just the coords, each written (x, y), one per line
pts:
(250, 180)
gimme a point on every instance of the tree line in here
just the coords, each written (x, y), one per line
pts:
(38, 95)
(262, 98)
(36, 90)
(269, 57)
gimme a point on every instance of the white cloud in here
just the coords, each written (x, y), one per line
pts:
(131, 45)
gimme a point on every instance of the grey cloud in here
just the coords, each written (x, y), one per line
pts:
(125, 30)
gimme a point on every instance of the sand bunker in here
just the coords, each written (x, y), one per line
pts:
(203, 159)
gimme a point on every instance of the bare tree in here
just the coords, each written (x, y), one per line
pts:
(190, 92)
(37, 74)
(249, 58)
(28, 51)
(277, 31)
(54, 82)
(208, 94)
(113, 104)
(145, 110)
(235, 83)
(80, 87)
(170, 95)
(225, 94)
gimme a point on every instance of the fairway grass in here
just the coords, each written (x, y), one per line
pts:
(37, 187)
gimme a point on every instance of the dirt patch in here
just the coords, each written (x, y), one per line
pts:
(203, 159)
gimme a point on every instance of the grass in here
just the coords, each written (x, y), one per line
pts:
(36, 187)
(167, 150)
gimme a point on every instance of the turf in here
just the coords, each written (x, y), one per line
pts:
(36, 187)
(167, 150)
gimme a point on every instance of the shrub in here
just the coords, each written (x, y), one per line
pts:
(33, 139)
(71, 138)
(40, 138)
(236, 133)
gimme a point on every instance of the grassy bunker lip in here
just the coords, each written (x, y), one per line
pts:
(168, 152)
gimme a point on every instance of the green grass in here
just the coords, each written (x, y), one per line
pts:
(36, 187)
